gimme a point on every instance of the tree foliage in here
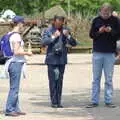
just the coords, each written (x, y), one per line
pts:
(30, 7)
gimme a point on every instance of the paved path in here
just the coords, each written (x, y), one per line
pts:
(34, 95)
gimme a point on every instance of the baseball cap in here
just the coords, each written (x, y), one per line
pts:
(18, 19)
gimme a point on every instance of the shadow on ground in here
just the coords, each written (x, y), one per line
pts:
(75, 106)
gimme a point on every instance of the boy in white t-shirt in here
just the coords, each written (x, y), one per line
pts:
(15, 66)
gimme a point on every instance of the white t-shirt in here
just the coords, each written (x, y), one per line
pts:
(13, 38)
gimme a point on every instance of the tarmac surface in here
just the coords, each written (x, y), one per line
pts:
(34, 92)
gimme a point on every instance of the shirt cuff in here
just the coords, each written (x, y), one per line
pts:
(53, 37)
(69, 36)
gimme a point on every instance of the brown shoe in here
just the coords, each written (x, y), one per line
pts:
(12, 114)
(21, 113)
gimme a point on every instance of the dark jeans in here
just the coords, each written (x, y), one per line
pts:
(55, 75)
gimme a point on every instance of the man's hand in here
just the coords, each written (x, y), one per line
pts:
(102, 29)
(66, 33)
(108, 29)
(56, 34)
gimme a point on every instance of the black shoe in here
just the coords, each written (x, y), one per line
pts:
(92, 105)
(110, 105)
(54, 106)
(60, 106)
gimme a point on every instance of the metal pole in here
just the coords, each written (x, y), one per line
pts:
(69, 9)
(48, 3)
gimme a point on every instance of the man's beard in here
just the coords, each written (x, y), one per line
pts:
(105, 16)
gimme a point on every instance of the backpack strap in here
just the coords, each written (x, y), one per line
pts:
(10, 34)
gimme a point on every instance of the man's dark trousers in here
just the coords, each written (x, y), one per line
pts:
(55, 75)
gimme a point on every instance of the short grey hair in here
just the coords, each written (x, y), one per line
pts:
(106, 5)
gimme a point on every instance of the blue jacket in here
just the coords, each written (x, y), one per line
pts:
(47, 40)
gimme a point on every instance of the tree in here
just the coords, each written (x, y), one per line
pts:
(30, 7)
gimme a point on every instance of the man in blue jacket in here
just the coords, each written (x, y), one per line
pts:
(105, 31)
(56, 39)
